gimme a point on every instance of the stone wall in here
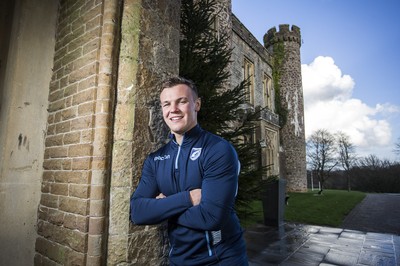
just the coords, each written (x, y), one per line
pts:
(245, 45)
(27, 30)
(291, 97)
(72, 213)
(104, 118)
(149, 52)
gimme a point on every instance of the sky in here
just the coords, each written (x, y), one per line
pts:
(350, 64)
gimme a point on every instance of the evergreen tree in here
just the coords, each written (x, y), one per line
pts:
(204, 58)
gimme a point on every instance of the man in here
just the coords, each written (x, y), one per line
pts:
(191, 182)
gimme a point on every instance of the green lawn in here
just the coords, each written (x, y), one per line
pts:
(328, 209)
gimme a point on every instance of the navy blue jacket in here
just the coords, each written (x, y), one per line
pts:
(209, 232)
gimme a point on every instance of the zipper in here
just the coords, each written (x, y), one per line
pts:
(176, 171)
(177, 157)
(208, 244)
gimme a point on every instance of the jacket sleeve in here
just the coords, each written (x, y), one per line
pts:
(218, 190)
(146, 209)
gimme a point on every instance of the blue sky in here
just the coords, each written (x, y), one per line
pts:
(350, 64)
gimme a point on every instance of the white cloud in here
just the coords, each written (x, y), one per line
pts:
(323, 81)
(329, 105)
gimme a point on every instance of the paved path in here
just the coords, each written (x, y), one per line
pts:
(371, 237)
(376, 213)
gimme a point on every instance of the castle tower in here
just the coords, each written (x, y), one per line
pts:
(284, 46)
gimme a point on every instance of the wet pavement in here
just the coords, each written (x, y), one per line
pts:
(299, 244)
(376, 213)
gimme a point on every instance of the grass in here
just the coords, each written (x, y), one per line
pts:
(328, 209)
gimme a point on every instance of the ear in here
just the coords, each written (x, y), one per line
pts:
(197, 104)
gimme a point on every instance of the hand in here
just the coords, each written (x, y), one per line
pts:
(160, 196)
(195, 196)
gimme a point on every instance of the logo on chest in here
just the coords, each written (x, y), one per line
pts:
(195, 153)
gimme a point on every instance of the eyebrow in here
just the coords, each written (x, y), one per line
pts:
(177, 100)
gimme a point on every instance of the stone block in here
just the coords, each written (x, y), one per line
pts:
(86, 109)
(83, 96)
(96, 225)
(80, 163)
(57, 105)
(97, 208)
(66, 164)
(57, 152)
(82, 73)
(49, 200)
(74, 205)
(69, 113)
(45, 187)
(55, 217)
(87, 135)
(52, 250)
(99, 163)
(79, 123)
(94, 245)
(43, 213)
(56, 95)
(79, 150)
(75, 258)
(117, 249)
(70, 90)
(59, 189)
(97, 192)
(78, 222)
(87, 83)
(119, 210)
(52, 164)
(79, 191)
(72, 138)
(48, 176)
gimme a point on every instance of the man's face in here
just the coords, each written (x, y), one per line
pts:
(179, 108)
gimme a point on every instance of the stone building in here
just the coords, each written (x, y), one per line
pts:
(283, 145)
(79, 113)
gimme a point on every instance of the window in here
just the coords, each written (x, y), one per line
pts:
(216, 27)
(268, 93)
(248, 74)
(271, 152)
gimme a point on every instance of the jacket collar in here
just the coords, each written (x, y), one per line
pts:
(189, 136)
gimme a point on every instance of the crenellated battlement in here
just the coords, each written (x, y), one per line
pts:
(285, 34)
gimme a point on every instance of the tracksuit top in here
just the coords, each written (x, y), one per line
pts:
(208, 233)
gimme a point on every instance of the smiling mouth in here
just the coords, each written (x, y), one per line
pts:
(176, 118)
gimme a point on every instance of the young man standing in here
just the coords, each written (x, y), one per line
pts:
(191, 182)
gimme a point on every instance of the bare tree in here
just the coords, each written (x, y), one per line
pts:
(396, 149)
(346, 152)
(321, 154)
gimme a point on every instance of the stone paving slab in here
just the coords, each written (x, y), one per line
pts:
(376, 213)
(297, 244)
(369, 235)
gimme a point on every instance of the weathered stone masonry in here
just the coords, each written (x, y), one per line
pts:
(291, 98)
(103, 59)
(149, 51)
(72, 212)
(100, 127)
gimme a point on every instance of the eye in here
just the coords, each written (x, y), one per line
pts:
(165, 105)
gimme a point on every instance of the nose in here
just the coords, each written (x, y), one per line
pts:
(174, 108)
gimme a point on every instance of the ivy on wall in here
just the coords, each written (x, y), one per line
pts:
(278, 58)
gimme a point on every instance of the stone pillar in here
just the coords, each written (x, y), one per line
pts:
(72, 214)
(149, 51)
(285, 48)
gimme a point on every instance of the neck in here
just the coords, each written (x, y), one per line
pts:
(178, 138)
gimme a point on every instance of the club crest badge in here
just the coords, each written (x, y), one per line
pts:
(195, 153)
